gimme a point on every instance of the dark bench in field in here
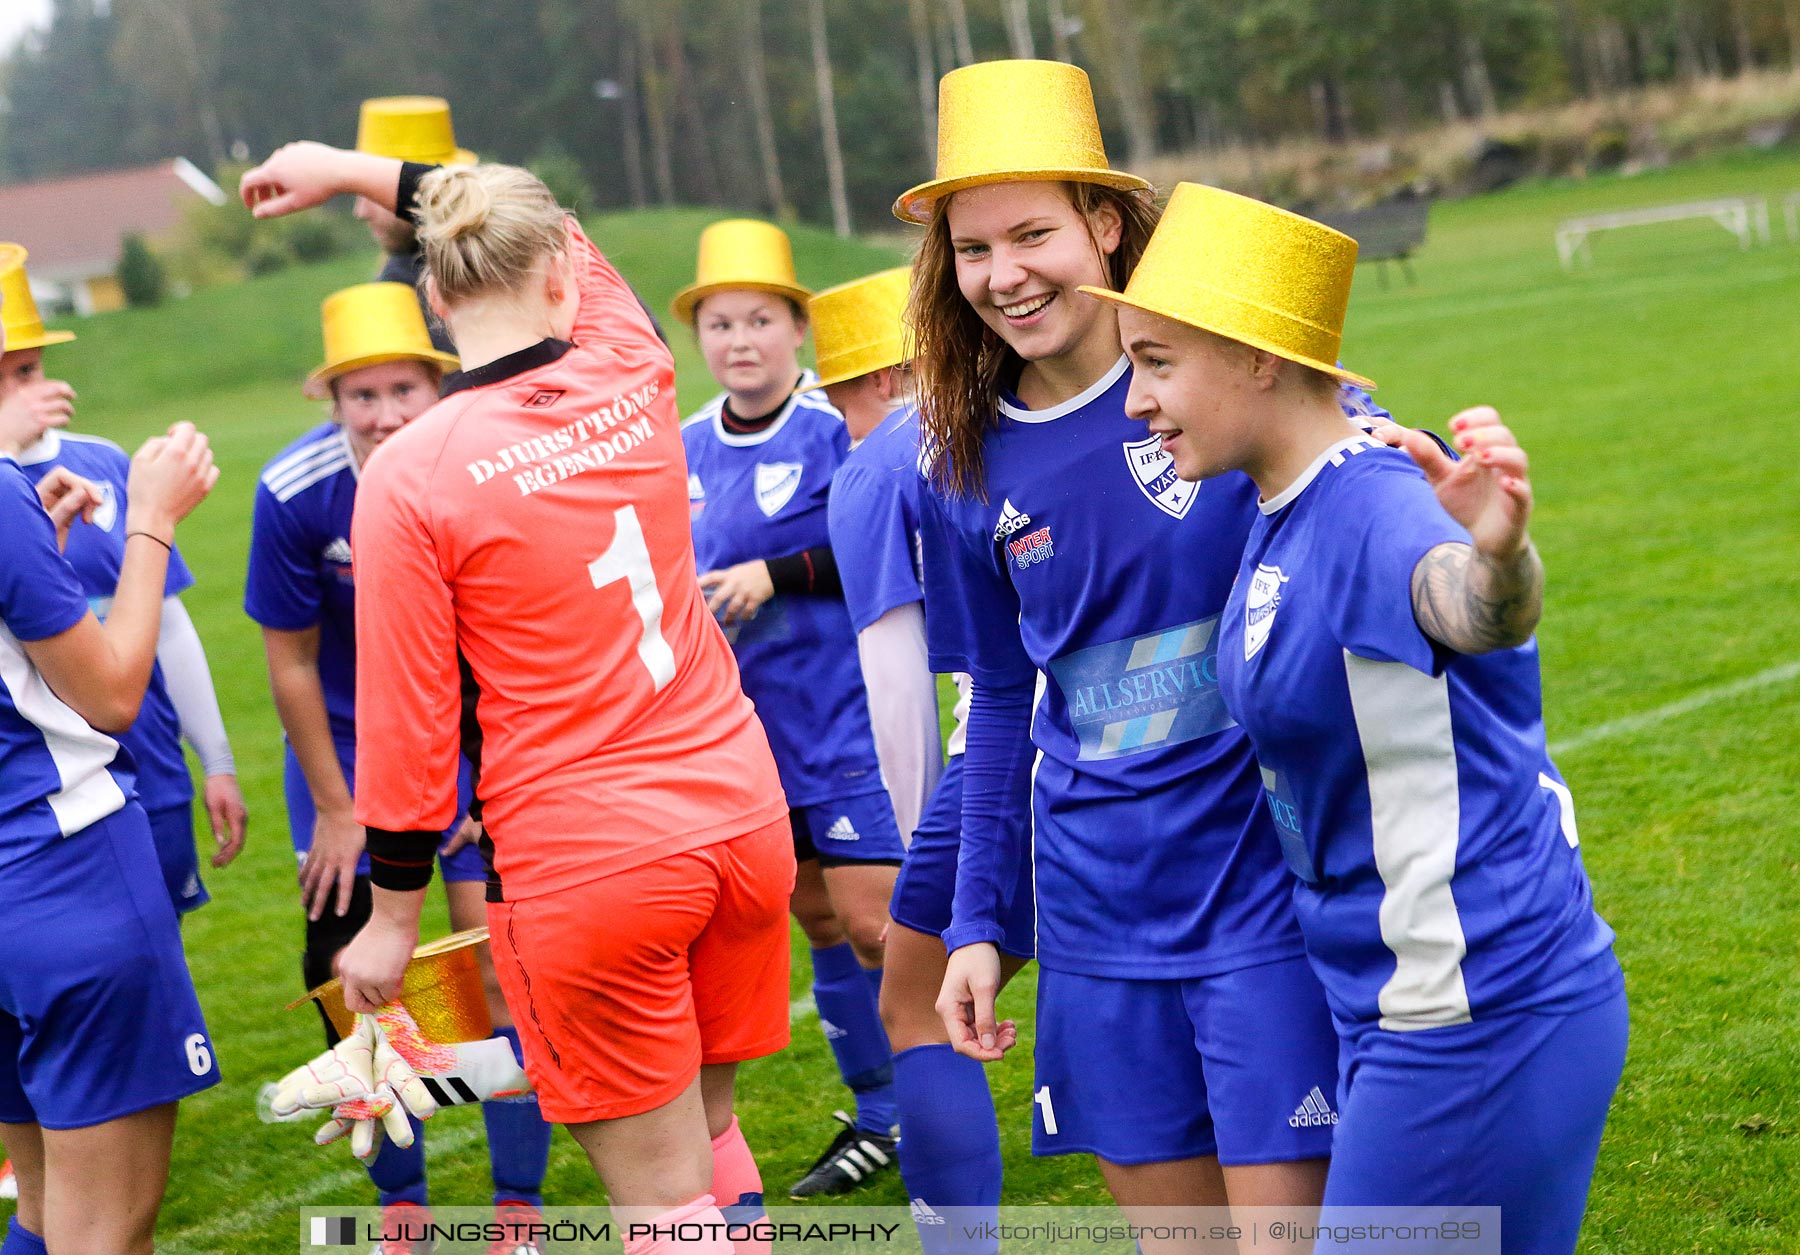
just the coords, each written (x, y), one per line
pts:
(1386, 232)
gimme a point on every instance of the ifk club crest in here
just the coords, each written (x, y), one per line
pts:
(107, 512)
(1260, 606)
(1153, 470)
(776, 483)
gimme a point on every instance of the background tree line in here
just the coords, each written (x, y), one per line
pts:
(822, 108)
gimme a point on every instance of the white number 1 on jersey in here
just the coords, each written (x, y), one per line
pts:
(628, 559)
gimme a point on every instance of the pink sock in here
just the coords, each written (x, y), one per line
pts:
(705, 1236)
(738, 1184)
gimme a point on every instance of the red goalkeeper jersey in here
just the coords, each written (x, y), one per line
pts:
(537, 517)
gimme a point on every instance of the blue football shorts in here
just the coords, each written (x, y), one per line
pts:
(465, 864)
(1242, 1065)
(172, 828)
(98, 1017)
(1503, 1112)
(859, 829)
(927, 882)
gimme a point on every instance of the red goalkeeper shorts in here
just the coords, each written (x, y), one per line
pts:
(622, 987)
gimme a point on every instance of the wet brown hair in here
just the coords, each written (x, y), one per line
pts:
(959, 362)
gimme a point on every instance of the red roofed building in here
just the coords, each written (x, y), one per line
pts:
(75, 226)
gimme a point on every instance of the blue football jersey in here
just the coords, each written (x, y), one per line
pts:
(300, 574)
(765, 495)
(875, 520)
(1434, 840)
(1094, 572)
(58, 774)
(96, 550)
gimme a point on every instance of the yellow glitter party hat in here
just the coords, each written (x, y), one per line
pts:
(1015, 122)
(24, 325)
(740, 253)
(1249, 272)
(442, 988)
(860, 326)
(369, 324)
(412, 128)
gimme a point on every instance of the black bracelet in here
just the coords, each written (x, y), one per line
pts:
(158, 539)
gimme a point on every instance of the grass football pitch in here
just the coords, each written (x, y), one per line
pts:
(1657, 393)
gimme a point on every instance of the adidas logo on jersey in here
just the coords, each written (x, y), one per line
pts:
(338, 551)
(832, 1032)
(1313, 1112)
(842, 830)
(923, 1214)
(1011, 521)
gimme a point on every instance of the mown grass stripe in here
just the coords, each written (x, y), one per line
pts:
(1774, 676)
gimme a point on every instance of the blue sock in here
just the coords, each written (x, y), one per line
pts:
(399, 1175)
(851, 1018)
(21, 1241)
(877, 1110)
(518, 1140)
(949, 1145)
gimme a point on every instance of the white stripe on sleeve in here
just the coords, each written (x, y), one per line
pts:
(80, 752)
(1403, 720)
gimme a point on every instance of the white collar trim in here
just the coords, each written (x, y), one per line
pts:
(1020, 414)
(809, 380)
(747, 439)
(1334, 455)
(350, 454)
(43, 449)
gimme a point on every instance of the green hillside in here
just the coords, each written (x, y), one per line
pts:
(1657, 393)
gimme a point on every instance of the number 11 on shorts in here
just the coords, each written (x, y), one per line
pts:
(1042, 1099)
(628, 558)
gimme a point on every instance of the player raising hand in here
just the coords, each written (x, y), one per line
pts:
(537, 516)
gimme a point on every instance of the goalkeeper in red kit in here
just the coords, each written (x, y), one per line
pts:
(537, 517)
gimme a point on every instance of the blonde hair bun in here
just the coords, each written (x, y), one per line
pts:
(483, 229)
(455, 201)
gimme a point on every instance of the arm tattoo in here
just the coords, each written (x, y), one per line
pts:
(1474, 604)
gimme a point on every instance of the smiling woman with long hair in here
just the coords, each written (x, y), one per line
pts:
(1096, 736)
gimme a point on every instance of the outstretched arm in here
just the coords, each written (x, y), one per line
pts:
(1487, 595)
(1475, 604)
(301, 175)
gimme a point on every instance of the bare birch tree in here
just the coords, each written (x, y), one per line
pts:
(834, 153)
(920, 15)
(1018, 28)
(756, 71)
(959, 30)
(1063, 29)
(656, 112)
